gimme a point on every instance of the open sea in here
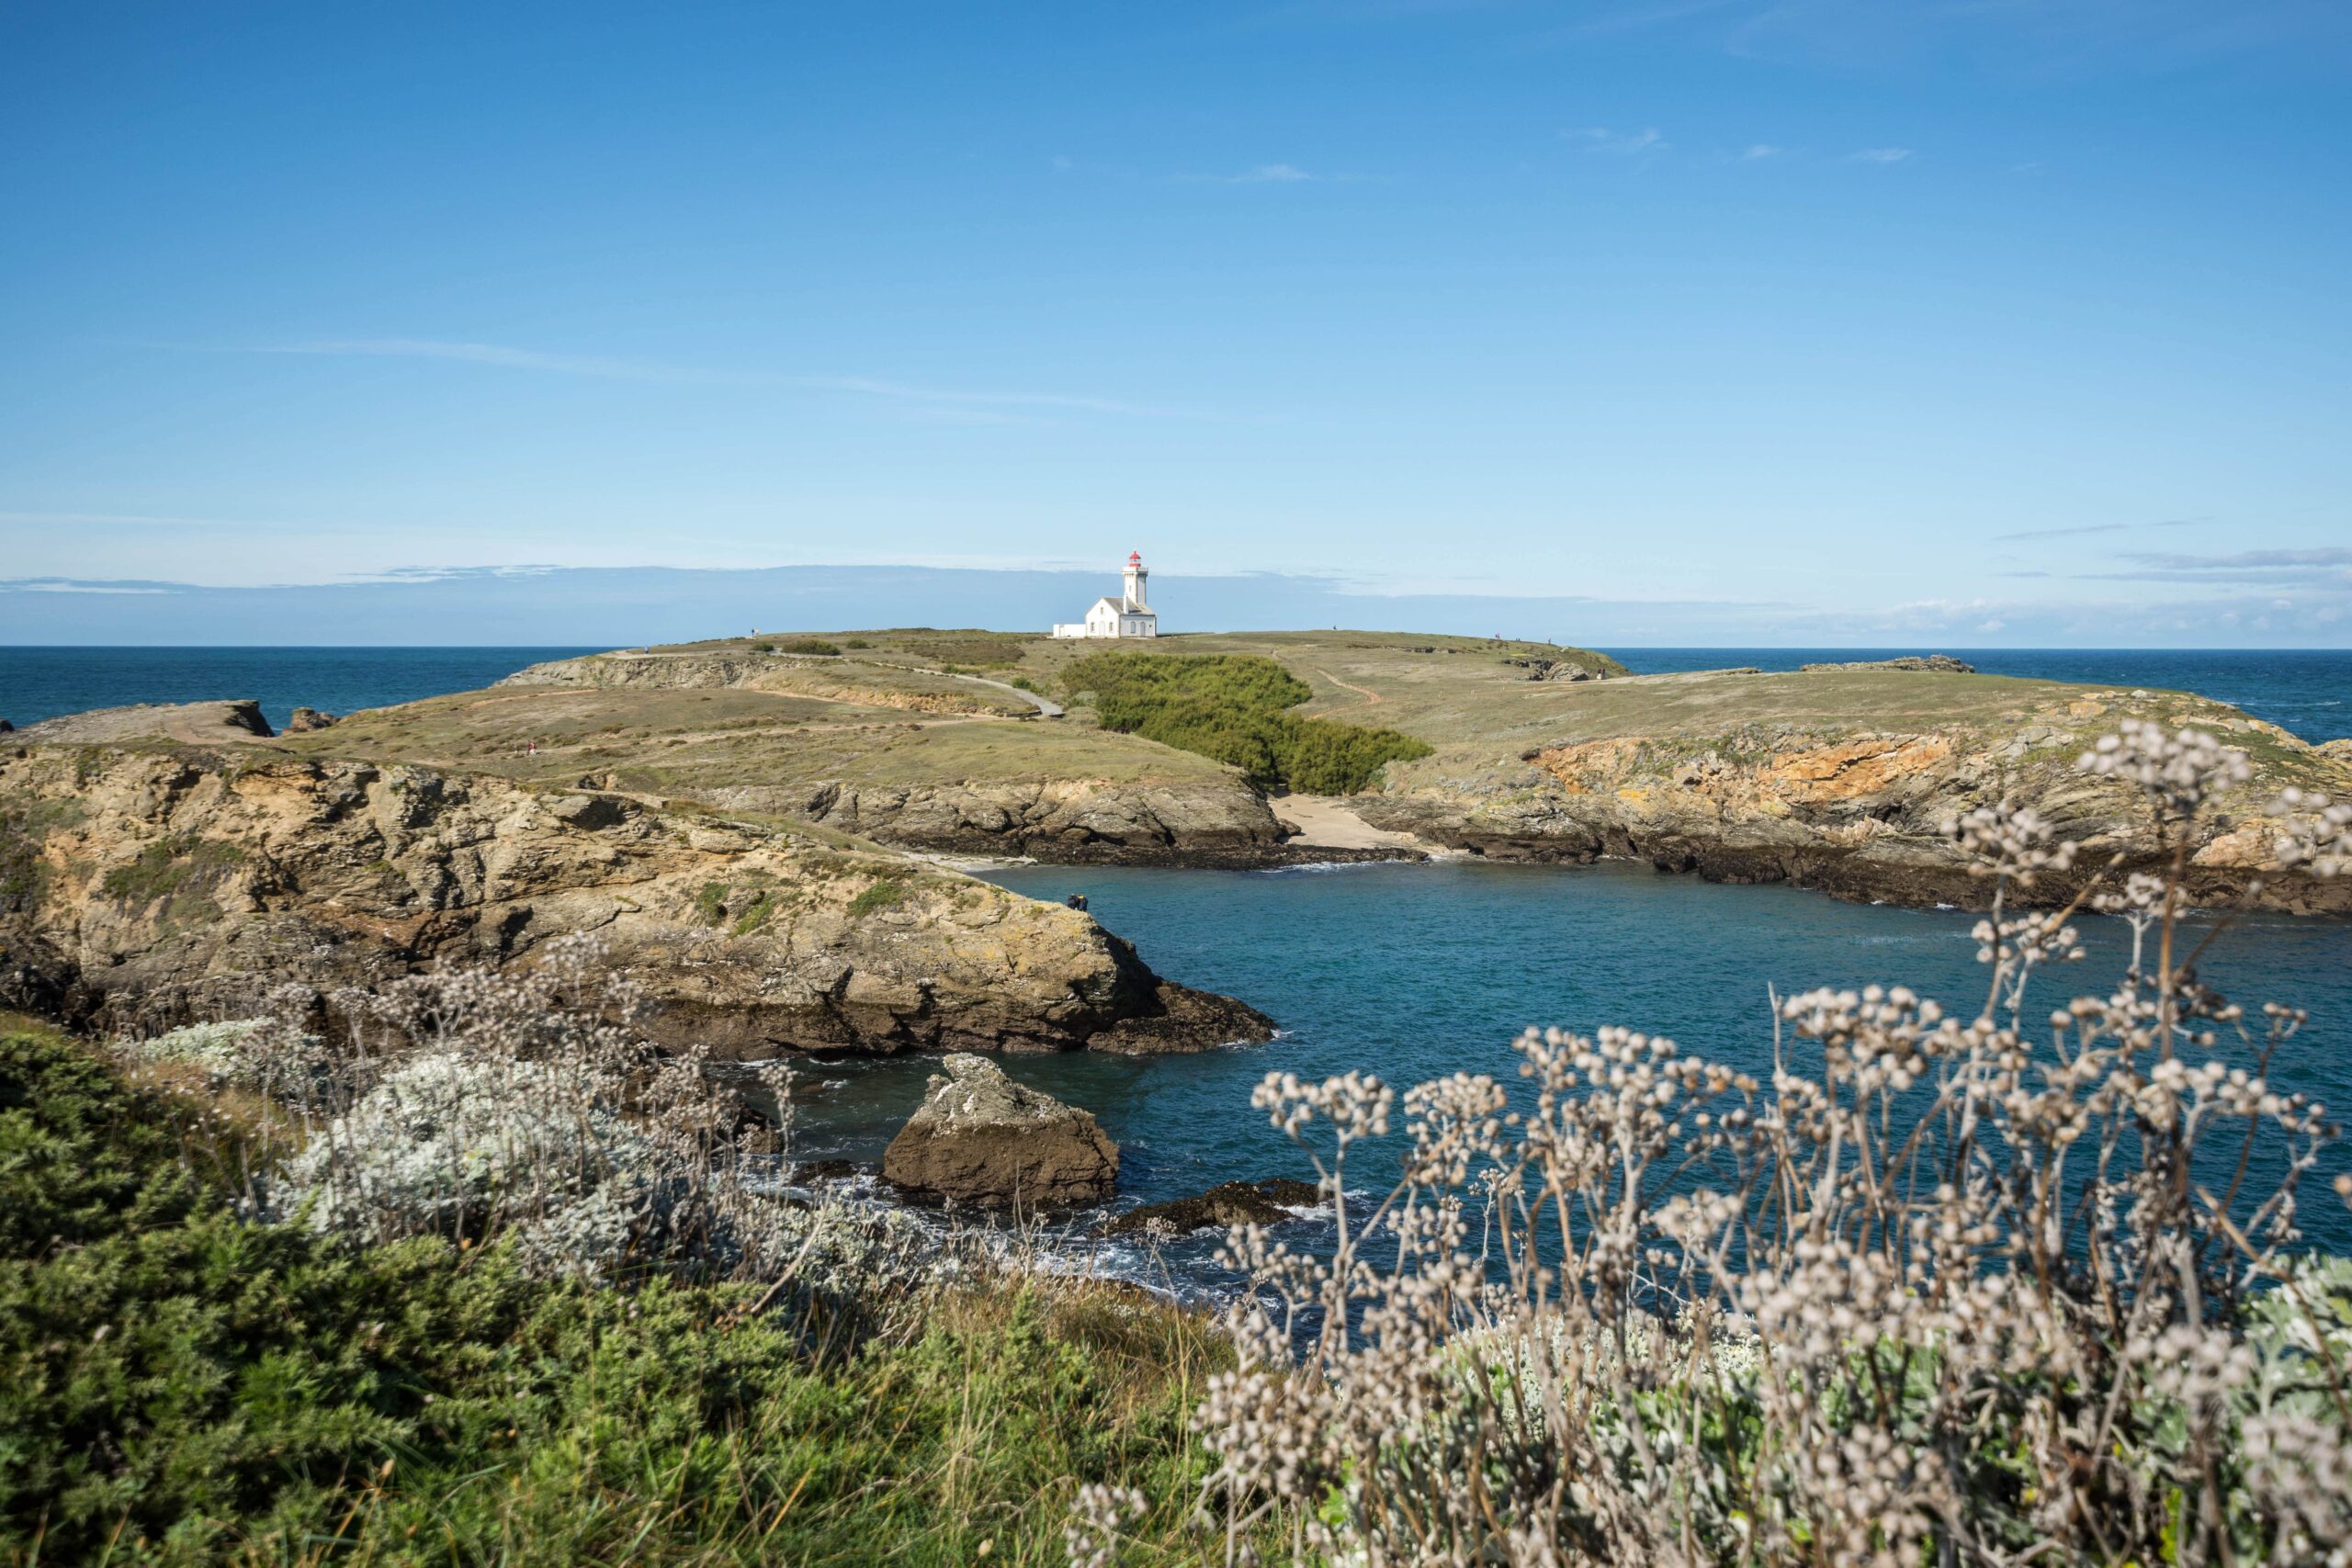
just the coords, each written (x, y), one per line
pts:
(1416, 971)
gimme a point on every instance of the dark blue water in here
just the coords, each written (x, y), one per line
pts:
(1416, 971)
(2306, 692)
(42, 683)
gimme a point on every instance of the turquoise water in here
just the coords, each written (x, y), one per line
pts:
(1415, 971)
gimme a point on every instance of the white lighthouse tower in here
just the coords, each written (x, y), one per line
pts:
(1130, 615)
(1131, 584)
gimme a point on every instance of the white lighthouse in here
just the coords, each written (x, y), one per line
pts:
(1130, 615)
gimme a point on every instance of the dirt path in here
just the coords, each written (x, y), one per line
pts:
(1327, 822)
(1370, 698)
(1044, 709)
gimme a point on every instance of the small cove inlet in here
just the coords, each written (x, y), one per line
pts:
(1413, 971)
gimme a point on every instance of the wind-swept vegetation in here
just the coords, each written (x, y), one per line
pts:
(369, 1352)
(1234, 707)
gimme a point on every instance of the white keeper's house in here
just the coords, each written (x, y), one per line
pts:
(1129, 615)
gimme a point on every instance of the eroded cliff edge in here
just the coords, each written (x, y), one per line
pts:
(1858, 806)
(147, 886)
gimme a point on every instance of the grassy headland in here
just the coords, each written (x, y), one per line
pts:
(1842, 778)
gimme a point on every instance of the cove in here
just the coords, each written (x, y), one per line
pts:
(1414, 971)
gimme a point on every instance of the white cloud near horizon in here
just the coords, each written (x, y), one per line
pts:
(1879, 155)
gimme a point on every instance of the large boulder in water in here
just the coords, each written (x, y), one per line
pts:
(980, 1138)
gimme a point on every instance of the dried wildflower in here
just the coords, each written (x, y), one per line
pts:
(1931, 1292)
(2318, 836)
(1099, 1515)
(2179, 770)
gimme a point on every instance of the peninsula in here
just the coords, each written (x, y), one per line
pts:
(1841, 778)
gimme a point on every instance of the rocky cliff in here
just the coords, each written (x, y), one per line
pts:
(152, 886)
(1859, 811)
(1220, 823)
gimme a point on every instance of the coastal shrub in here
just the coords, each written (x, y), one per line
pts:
(811, 645)
(185, 1385)
(1233, 707)
(1996, 1285)
(528, 1106)
(764, 647)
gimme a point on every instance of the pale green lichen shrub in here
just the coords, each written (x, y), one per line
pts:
(453, 1145)
(270, 1056)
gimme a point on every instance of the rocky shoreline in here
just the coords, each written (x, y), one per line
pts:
(142, 888)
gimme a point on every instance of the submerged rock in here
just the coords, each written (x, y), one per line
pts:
(1230, 1203)
(980, 1138)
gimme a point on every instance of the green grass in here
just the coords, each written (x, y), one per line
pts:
(178, 873)
(185, 1386)
(1234, 708)
(877, 895)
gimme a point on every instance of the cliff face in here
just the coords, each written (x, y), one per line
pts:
(1859, 814)
(139, 888)
(1071, 821)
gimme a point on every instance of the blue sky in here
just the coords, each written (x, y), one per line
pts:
(2006, 319)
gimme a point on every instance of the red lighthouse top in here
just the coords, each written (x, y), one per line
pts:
(1135, 558)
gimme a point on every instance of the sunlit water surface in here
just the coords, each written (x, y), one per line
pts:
(1416, 971)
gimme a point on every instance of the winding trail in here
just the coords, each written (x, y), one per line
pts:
(1045, 708)
(1370, 698)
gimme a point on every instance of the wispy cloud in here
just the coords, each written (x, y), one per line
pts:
(1602, 139)
(1270, 175)
(1879, 155)
(498, 354)
(74, 585)
(121, 520)
(2249, 560)
(2098, 528)
(2325, 568)
(504, 356)
(1755, 152)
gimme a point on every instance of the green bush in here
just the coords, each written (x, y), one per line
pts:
(812, 644)
(1232, 707)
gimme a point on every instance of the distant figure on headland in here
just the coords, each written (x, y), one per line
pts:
(1076, 900)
